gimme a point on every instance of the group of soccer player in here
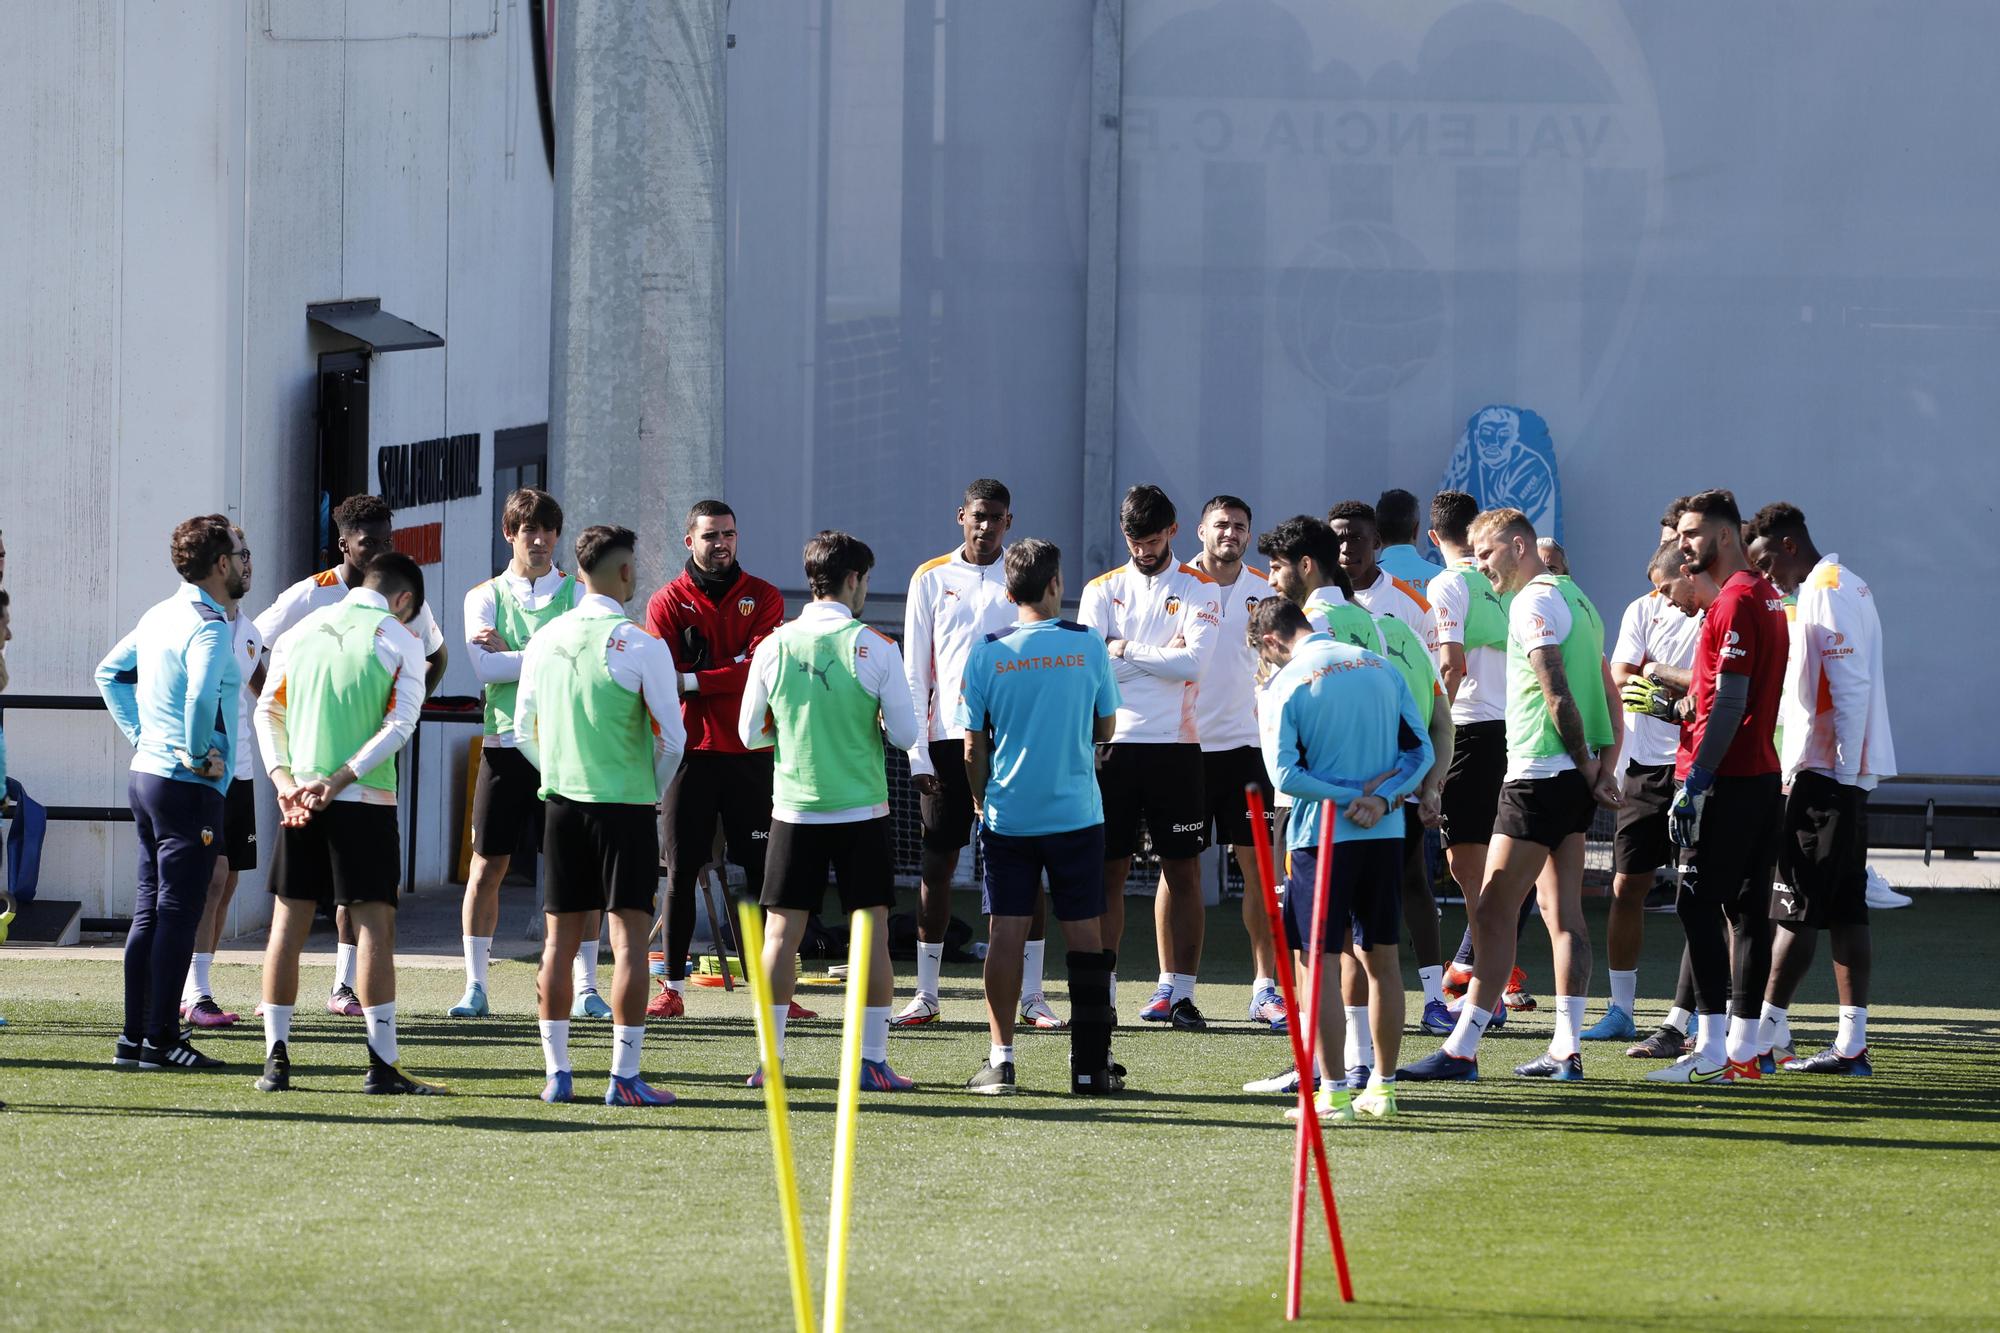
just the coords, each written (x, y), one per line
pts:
(1375, 694)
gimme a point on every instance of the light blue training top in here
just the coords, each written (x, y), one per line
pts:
(172, 686)
(1039, 688)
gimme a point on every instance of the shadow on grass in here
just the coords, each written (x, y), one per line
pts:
(541, 1124)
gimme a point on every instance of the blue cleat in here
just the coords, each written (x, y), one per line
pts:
(1830, 1061)
(471, 1005)
(634, 1092)
(1357, 1077)
(1268, 1007)
(1616, 1025)
(1499, 1019)
(1437, 1067)
(589, 1004)
(1159, 1009)
(1438, 1019)
(560, 1088)
(876, 1076)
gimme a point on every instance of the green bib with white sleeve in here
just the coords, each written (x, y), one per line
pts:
(595, 737)
(336, 693)
(1531, 727)
(829, 731)
(516, 625)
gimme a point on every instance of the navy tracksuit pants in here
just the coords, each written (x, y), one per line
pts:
(180, 835)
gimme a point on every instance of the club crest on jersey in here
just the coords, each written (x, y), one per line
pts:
(745, 605)
(207, 837)
(1173, 606)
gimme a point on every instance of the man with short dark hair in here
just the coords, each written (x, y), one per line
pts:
(1034, 699)
(1397, 523)
(824, 690)
(501, 615)
(1836, 747)
(1159, 619)
(599, 719)
(171, 685)
(364, 528)
(1728, 806)
(1305, 571)
(713, 616)
(344, 689)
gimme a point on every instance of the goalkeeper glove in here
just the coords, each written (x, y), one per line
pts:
(1644, 696)
(1684, 816)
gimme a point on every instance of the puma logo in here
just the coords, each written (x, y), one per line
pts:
(339, 635)
(817, 673)
(1396, 651)
(569, 655)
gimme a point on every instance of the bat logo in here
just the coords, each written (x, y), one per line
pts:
(817, 673)
(207, 836)
(745, 605)
(339, 635)
(1173, 606)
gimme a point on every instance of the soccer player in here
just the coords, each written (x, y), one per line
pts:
(1035, 697)
(1728, 806)
(1226, 720)
(1653, 629)
(1159, 619)
(1409, 641)
(1562, 754)
(1349, 732)
(170, 685)
(599, 718)
(501, 615)
(823, 691)
(1304, 558)
(1837, 747)
(239, 822)
(713, 617)
(954, 602)
(341, 697)
(363, 524)
(1396, 523)
(1554, 558)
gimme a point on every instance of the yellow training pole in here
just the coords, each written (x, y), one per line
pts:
(860, 953)
(752, 935)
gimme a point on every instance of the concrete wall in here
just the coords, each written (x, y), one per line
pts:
(195, 174)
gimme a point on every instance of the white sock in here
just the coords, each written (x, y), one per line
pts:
(1263, 984)
(1852, 1037)
(343, 966)
(1433, 982)
(1032, 954)
(381, 1020)
(677, 987)
(930, 962)
(1711, 1040)
(1680, 1018)
(1774, 1029)
(583, 968)
(1114, 990)
(625, 1044)
(197, 982)
(1742, 1039)
(555, 1045)
(478, 952)
(1625, 990)
(1182, 984)
(778, 1013)
(875, 1032)
(1359, 1048)
(999, 1055)
(277, 1025)
(1464, 1039)
(1569, 1027)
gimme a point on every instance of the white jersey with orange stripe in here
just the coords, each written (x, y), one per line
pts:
(1390, 596)
(952, 605)
(1226, 709)
(1170, 623)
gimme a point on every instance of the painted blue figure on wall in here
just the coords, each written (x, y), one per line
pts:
(1505, 459)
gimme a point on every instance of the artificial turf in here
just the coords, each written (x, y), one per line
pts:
(170, 1201)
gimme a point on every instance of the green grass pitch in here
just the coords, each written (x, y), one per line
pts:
(190, 1201)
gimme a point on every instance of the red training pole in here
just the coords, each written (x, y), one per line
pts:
(1267, 871)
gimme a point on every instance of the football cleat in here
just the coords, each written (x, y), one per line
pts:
(1357, 1077)
(1830, 1061)
(633, 1091)
(1035, 1012)
(560, 1088)
(1616, 1025)
(1100, 1083)
(1330, 1106)
(1186, 1018)
(1457, 977)
(206, 1013)
(876, 1076)
(669, 1003)
(798, 1013)
(1690, 1068)
(1159, 1009)
(472, 1004)
(1882, 896)
(1665, 1042)
(756, 1079)
(1517, 996)
(125, 1055)
(589, 1004)
(1744, 1071)
(179, 1055)
(1268, 1007)
(993, 1080)
(1437, 1018)
(920, 1010)
(1771, 1061)
(1378, 1102)
(1437, 1067)
(1564, 1069)
(277, 1075)
(1286, 1081)
(342, 1001)
(387, 1080)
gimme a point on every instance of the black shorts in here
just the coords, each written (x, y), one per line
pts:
(1736, 845)
(1823, 855)
(1014, 866)
(1471, 794)
(1545, 810)
(712, 787)
(947, 816)
(1641, 844)
(239, 825)
(1225, 774)
(1365, 894)
(859, 856)
(1160, 783)
(505, 798)
(600, 856)
(350, 852)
